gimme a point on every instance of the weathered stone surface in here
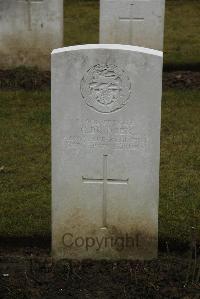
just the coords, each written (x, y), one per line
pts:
(132, 22)
(29, 30)
(106, 102)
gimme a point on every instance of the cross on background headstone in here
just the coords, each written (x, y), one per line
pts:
(132, 22)
(29, 3)
(105, 181)
(131, 16)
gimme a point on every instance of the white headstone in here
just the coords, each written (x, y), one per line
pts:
(106, 104)
(29, 30)
(132, 22)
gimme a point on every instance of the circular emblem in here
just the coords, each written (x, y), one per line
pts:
(105, 88)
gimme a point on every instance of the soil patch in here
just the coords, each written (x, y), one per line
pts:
(32, 79)
(181, 80)
(24, 78)
(38, 277)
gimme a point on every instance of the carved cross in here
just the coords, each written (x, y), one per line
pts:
(105, 181)
(29, 4)
(132, 16)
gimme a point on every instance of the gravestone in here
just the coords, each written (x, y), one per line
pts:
(106, 102)
(29, 30)
(132, 22)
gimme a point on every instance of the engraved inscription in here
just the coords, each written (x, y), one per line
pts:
(105, 181)
(107, 134)
(105, 88)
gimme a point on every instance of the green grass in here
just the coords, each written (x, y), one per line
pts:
(25, 134)
(81, 22)
(25, 164)
(182, 30)
(180, 165)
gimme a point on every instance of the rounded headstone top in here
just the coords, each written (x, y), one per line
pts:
(109, 47)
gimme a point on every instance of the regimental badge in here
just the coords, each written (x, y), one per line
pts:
(106, 88)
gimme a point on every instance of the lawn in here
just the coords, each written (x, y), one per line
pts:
(25, 142)
(25, 164)
(182, 30)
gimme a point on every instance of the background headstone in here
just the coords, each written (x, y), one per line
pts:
(132, 22)
(29, 30)
(106, 102)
